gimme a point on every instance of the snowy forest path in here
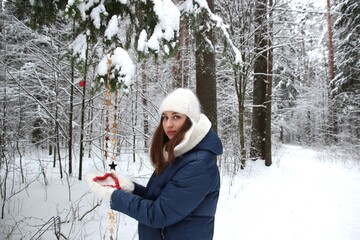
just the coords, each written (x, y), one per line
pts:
(300, 197)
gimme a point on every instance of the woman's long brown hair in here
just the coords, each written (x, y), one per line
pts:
(160, 140)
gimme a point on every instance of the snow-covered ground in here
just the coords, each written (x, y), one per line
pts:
(300, 197)
(304, 195)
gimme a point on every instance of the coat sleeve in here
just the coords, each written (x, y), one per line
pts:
(139, 189)
(183, 193)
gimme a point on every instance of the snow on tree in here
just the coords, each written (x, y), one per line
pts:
(151, 26)
(346, 84)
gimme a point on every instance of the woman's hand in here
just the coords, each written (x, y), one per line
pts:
(103, 191)
(125, 183)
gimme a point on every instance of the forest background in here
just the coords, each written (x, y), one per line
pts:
(265, 72)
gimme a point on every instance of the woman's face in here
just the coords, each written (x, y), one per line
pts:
(172, 122)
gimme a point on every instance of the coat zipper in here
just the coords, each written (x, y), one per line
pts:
(162, 234)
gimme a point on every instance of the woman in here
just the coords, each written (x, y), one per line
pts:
(179, 201)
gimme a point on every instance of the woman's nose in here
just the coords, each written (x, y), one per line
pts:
(169, 123)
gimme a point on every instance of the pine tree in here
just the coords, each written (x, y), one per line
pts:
(260, 79)
(346, 84)
(205, 67)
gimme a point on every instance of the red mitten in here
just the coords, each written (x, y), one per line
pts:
(103, 185)
(125, 183)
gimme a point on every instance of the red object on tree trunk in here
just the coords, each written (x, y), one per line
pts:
(82, 83)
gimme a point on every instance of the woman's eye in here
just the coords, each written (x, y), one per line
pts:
(176, 117)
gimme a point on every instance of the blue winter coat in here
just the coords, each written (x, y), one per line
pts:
(180, 203)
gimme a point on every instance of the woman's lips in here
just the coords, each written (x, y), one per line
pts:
(170, 133)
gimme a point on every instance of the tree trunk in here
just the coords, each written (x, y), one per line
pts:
(181, 66)
(267, 156)
(205, 69)
(134, 119)
(57, 137)
(332, 125)
(260, 80)
(240, 91)
(71, 111)
(145, 104)
(82, 123)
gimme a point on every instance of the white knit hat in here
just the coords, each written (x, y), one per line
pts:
(184, 101)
